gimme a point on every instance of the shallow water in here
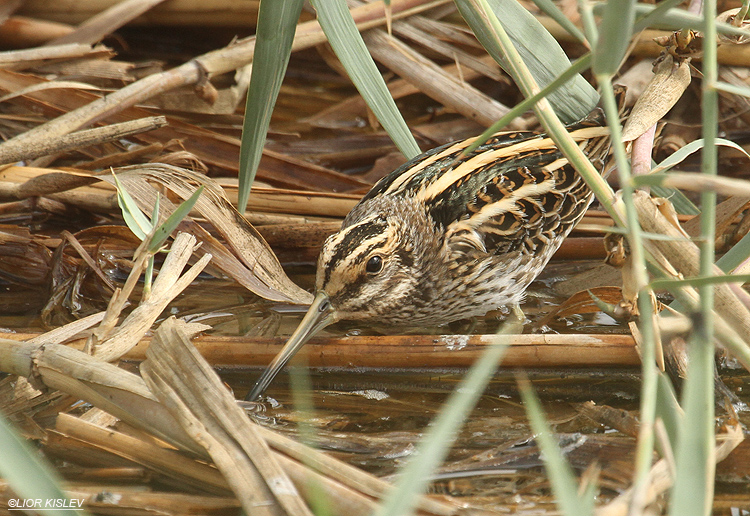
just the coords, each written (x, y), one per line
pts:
(374, 418)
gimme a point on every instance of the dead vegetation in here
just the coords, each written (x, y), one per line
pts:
(79, 97)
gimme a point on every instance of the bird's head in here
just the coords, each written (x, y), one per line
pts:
(373, 268)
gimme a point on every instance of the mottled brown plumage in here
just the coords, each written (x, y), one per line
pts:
(448, 236)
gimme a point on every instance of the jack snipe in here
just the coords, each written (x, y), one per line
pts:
(447, 237)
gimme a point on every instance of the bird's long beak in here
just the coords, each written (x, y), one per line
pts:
(318, 316)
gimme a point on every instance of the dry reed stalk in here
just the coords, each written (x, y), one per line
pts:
(340, 499)
(645, 46)
(135, 155)
(86, 257)
(26, 57)
(431, 80)
(188, 384)
(424, 351)
(135, 501)
(194, 394)
(298, 235)
(106, 22)
(104, 385)
(213, 13)
(86, 137)
(419, 30)
(726, 213)
(213, 63)
(22, 31)
(276, 219)
(581, 248)
(399, 88)
(685, 257)
(101, 197)
(163, 461)
(661, 479)
(23, 182)
(349, 476)
(126, 396)
(618, 419)
(111, 345)
(313, 235)
(67, 332)
(260, 271)
(410, 351)
(208, 146)
(278, 200)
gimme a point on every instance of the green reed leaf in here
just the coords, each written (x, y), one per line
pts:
(617, 24)
(134, 218)
(277, 22)
(162, 232)
(561, 476)
(528, 103)
(678, 19)
(347, 43)
(28, 475)
(539, 51)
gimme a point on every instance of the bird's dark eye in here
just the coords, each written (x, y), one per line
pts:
(374, 264)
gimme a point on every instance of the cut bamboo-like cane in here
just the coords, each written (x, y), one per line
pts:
(410, 351)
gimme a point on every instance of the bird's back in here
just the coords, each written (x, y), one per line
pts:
(514, 193)
(471, 232)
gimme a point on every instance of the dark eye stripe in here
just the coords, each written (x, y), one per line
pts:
(348, 247)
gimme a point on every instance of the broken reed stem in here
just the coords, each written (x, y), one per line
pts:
(126, 396)
(216, 62)
(118, 301)
(194, 394)
(82, 139)
(685, 257)
(164, 461)
(168, 284)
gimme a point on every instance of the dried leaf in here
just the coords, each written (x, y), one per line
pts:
(264, 275)
(666, 87)
(728, 17)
